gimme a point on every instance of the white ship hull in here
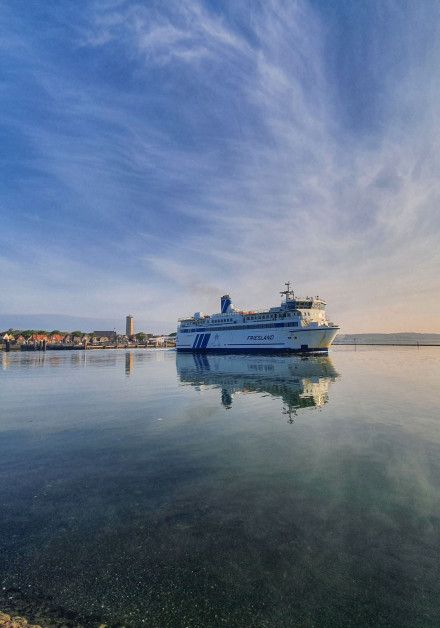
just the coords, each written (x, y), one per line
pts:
(284, 339)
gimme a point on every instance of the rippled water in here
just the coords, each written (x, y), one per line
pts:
(149, 488)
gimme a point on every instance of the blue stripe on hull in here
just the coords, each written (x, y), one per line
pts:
(200, 342)
(205, 341)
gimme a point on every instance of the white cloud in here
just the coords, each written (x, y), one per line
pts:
(270, 185)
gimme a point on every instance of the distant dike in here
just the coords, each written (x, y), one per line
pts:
(403, 338)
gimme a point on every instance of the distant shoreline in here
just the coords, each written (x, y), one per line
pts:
(19, 349)
(49, 348)
(386, 344)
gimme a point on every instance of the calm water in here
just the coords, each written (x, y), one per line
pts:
(149, 488)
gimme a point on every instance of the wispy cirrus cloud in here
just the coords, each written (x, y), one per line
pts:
(162, 34)
(182, 150)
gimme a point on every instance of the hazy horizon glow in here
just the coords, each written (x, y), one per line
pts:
(157, 155)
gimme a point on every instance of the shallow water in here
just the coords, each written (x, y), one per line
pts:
(149, 488)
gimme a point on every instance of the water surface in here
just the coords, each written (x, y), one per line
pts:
(149, 488)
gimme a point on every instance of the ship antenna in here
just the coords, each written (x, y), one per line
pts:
(287, 291)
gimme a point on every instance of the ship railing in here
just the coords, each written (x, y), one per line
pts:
(317, 324)
(191, 320)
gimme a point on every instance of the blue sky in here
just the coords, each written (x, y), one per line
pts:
(156, 155)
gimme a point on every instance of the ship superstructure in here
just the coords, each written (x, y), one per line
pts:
(298, 324)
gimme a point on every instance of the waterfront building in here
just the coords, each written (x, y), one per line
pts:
(161, 341)
(39, 338)
(105, 336)
(56, 339)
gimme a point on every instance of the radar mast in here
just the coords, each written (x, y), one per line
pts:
(289, 294)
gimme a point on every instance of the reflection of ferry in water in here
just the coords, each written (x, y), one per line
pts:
(298, 324)
(300, 381)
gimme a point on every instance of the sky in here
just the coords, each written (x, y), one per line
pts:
(156, 155)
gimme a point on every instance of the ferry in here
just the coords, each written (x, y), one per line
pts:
(297, 325)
